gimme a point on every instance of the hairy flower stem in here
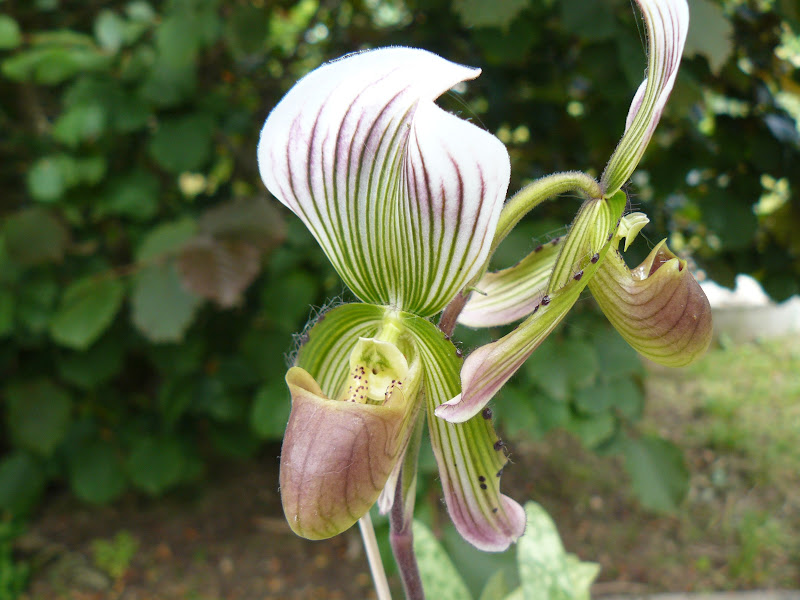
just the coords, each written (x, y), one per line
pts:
(537, 192)
(401, 538)
(374, 558)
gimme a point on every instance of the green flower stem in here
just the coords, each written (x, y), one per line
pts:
(401, 539)
(537, 192)
(374, 558)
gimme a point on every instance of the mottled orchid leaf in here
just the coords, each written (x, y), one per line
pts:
(344, 439)
(402, 196)
(505, 296)
(666, 23)
(470, 455)
(658, 307)
(489, 367)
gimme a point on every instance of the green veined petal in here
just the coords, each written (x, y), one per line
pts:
(489, 367)
(667, 23)
(659, 308)
(402, 196)
(341, 445)
(469, 455)
(508, 295)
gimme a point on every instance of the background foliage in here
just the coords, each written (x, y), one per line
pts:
(149, 287)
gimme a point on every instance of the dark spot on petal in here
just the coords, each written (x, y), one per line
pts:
(459, 353)
(483, 486)
(578, 275)
(498, 445)
(499, 473)
(610, 235)
(538, 248)
(554, 241)
(494, 510)
(481, 478)
(595, 258)
(545, 300)
(487, 413)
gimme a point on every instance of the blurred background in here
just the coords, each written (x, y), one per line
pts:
(150, 287)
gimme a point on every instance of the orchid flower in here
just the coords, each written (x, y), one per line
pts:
(407, 202)
(403, 198)
(658, 307)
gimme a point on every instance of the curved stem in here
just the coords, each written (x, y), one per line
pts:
(537, 192)
(402, 541)
(374, 558)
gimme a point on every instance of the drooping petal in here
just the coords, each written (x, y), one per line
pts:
(402, 196)
(489, 367)
(508, 295)
(658, 307)
(667, 23)
(344, 440)
(470, 456)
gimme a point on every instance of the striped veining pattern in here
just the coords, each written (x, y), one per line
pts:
(402, 196)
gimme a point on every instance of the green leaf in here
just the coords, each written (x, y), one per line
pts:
(439, 577)
(35, 236)
(246, 29)
(621, 393)
(546, 571)
(658, 472)
(87, 308)
(38, 415)
(269, 413)
(161, 308)
(35, 303)
(79, 123)
(499, 13)
(711, 34)
(6, 313)
(10, 35)
(46, 180)
(156, 464)
(287, 300)
(109, 29)
(166, 238)
(183, 143)
(592, 21)
(497, 586)
(593, 430)
(22, 481)
(561, 366)
(96, 473)
(133, 195)
(94, 366)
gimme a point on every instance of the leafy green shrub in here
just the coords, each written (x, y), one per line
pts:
(148, 291)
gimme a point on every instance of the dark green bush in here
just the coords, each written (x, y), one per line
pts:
(149, 288)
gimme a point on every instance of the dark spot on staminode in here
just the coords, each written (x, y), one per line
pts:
(374, 371)
(545, 300)
(487, 413)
